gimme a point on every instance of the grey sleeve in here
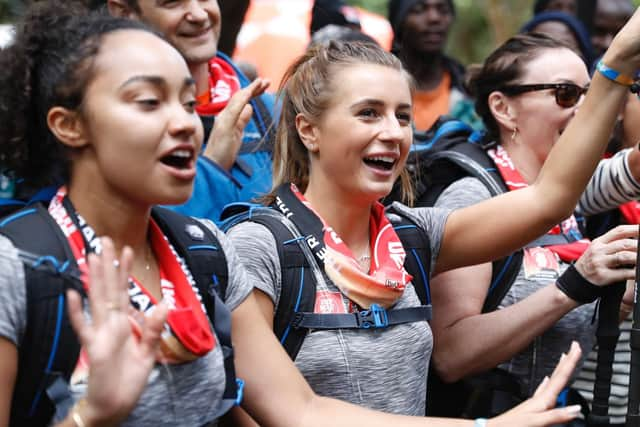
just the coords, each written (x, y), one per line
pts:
(432, 220)
(238, 286)
(13, 294)
(462, 193)
(257, 250)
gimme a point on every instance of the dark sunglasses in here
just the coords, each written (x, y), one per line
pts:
(567, 94)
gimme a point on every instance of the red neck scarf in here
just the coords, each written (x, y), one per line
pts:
(568, 252)
(187, 334)
(631, 212)
(386, 280)
(223, 83)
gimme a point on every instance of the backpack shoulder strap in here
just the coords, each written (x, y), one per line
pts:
(295, 315)
(298, 291)
(198, 246)
(418, 255)
(469, 158)
(204, 256)
(49, 349)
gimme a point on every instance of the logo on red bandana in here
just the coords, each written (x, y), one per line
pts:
(328, 303)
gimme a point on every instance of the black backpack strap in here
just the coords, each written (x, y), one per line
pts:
(299, 294)
(294, 316)
(49, 348)
(468, 158)
(203, 254)
(375, 317)
(418, 255)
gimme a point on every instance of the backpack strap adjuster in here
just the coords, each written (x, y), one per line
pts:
(375, 317)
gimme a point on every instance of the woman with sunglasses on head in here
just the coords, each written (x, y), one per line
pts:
(110, 105)
(527, 93)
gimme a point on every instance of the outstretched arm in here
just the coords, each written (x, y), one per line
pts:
(518, 217)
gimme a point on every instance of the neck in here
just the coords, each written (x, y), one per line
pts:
(350, 220)
(124, 222)
(426, 69)
(200, 73)
(524, 160)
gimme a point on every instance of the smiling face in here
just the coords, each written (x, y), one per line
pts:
(539, 119)
(427, 25)
(142, 132)
(191, 26)
(361, 142)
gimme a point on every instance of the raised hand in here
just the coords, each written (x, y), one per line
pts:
(539, 410)
(226, 137)
(611, 258)
(119, 363)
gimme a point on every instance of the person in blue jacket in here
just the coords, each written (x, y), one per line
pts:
(235, 164)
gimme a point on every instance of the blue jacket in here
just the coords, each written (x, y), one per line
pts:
(249, 177)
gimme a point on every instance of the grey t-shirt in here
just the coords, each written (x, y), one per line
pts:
(383, 369)
(188, 394)
(540, 357)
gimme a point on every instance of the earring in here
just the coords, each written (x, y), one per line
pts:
(514, 134)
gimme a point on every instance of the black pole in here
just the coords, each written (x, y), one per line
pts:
(633, 408)
(607, 335)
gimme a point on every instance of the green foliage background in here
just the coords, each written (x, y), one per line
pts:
(480, 24)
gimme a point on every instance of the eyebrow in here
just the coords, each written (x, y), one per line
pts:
(376, 102)
(156, 81)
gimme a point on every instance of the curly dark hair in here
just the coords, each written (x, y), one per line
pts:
(505, 66)
(49, 64)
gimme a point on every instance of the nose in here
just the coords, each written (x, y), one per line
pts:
(393, 131)
(433, 14)
(195, 12)
(182, 123)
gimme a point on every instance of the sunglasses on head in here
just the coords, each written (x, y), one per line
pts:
(567, 94)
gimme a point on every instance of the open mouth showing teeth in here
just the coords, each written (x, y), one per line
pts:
(179, 159)
(380, 162)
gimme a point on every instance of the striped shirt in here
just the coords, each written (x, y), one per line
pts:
(611, 185)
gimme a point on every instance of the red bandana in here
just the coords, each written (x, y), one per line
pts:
(631, 212)
(187, 334)
(568, 252)
(387, 278)
(223, 83)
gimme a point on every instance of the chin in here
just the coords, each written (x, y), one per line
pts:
(378, 192)
(200, 54)
(175, 197)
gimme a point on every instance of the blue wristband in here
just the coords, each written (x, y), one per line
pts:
(480, 422)
(614, 75)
